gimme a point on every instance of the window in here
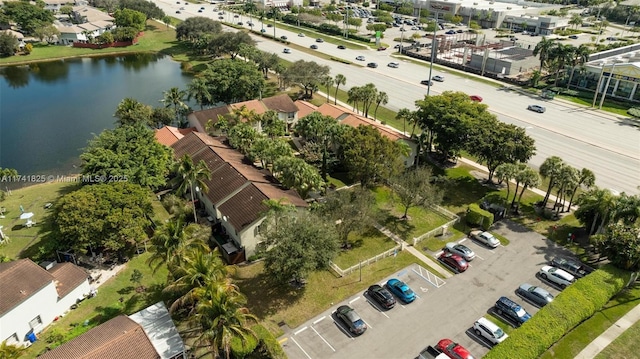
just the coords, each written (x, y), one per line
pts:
(12, 339)
(35, 322)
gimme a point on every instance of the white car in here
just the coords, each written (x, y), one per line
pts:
(461, 250)
(485, 238)
(394, 65)
(536, 108)
(286, 50)
(360, 58)
(438, 78)
(300, 34)
(556, 276)
(488, 330)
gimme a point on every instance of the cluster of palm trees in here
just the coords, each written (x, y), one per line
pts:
(363, 97)
(555, 57)
(522, 174)
(566, 180)
(600, 207)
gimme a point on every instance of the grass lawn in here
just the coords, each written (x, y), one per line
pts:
(364, 246)
(573, 342)
(624, 347)
(276, 304)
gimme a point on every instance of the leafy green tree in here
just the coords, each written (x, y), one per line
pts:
(550, 169)
(148, 8)
(131, 112)
(266, 61)
(46, 32)
(268, 150)
(299, 247)
(272, 125)
(190, 176)
(8, 44)
(27, 16)
(229, 43)
(232, 81)
(162, 116)
(194, 28)
(413, 188)
(8, 351)
(620, 243)
(67, 10)
(136, 277)
(105, 38)
(295, 173)
(125, 33)
(307, 74)
(113, 216)
(127, 153)
(130, 18)
(325, 131)
(242, 136)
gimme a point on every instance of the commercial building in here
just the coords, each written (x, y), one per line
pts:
(615, 72)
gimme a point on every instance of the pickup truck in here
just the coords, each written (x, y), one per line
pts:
(432, 353)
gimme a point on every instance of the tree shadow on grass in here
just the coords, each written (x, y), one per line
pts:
(464, 190)
(266, 298)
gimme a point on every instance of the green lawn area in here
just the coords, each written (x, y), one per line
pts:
(364, 246)
(624, 347)
(573, 342)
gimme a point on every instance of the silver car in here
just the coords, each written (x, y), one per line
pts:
(461, 250)
(556, 276)
(485, 238)
(536, 108)
(536, 295)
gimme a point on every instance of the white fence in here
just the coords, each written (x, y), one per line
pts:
(440, 230)
(342, 272)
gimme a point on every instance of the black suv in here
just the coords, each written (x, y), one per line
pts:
(382, 296)
(512, 310)
(575, 268)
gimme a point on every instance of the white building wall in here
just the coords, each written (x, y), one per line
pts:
(42, 303)
(64, 304)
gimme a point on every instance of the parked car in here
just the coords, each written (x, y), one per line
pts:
(497, 210)
(454, 261)
(426, 82)
(486, 329)
(314, 47)
(536, 295)
(438, 78)
(512, 310)
(461, 250)
(372, 65)
(453, 349)
(485, 238)
(319, 40)
(381, 296)
(269, 25)
(394, 65)
(611, 38)
(360, 58)
(401, 290)
(351, 319)
(341, 47)
(475, 98)
(574, 268)
(557, 276)
(286, 50)
(536, 108)
(450, 32)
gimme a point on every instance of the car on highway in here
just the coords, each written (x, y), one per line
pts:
(200, 10)
(557, 276)
(314, 47)
(536, 108)
(536, 295)
(250, 24)
(177, 11)
(269, 25)
(286, 50)
(574, 37)
(475, 98)
(283, 37)
(512, 310)
(351, 319)
(454, 261)
(382, 296)
(485, 238)
(341, 47)
(236, 16)
(461, 250)
(394, 65)
(240, 23)
(372, 65)
(574, 268)
(360, 58)
(401, 290)
(319, 40)
(220, 17)
(438, 78)
(490, 331)
(426, 82)
(300, 34)
(453, 350)
(261, 30)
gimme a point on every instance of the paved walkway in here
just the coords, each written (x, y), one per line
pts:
(609, 335)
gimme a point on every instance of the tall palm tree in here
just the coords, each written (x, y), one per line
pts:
(598, 202)
(172, 240)
(404, 114)
(580, 56)
(543, 49)
(550, 168)
(354, 95)
(519, 168)
(189, 176)
(175, 97)
(381, 98)
(505, 173)
(339, 80)
(561, 54)
(576, 20)
(567, 180)
(627, 209)
(327, 82)
(587, 179)
(199, 89)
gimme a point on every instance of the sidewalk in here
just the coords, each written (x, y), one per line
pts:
(609, 335)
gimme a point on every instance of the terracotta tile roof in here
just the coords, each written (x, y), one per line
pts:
(334, 111)
(280, 103)
(68, 277)
(355, 121)
(20, 280)
(119, 337)
(169, 135)
(305, 108)
(203, 116)
(251, 105)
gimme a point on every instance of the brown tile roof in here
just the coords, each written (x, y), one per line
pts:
(280, 103)
(20, 280)
(355, 121)
(289, 196)
(245, 207)
(190, 144)
(251, 105)
(119, 337)
(68, 277)
(169, 135)
(224, 181)
(203, 116)
(334, 111)
(305, 108)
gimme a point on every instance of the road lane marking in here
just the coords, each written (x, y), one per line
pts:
(323, 339)
(300, 331)
(319, 320)
(305, 353)
(353, 300)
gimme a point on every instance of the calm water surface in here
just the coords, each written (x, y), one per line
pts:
(49, 111)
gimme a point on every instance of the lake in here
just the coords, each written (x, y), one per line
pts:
(48, 111)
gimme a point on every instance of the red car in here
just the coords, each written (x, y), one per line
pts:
(382, 48)
(475, 98)
(454, 261)
(453, 349)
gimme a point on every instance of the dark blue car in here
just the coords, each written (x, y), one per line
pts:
(401, 290)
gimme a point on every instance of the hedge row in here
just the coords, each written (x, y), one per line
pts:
(575, 304)
(477, 216)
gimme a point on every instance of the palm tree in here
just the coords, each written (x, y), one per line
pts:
(404, 114)
(587, 179)
(597, 202)
(131, 111)
(327, 82)
(191, 176)
(381, 98)
(576, 20)
(274, 12)
(8, 351)
(339, 80)
(199, 90)
(561, 54)
(172, 240)
(518, 169)
(354, 95)
(627, 209)
(504, 173)
(250, 7)
(567, 180)
(175, 97)
(542, 49)
(550, 168)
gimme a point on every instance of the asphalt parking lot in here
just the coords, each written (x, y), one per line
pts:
(444, 311)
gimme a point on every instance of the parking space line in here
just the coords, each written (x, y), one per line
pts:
(477, 256)
(353, 300)
(319, 320)
(299, 331)
(375, 305)
(305, 353)
(323, 339)
(478, 339)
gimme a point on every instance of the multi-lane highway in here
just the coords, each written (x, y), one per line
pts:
(607, 144)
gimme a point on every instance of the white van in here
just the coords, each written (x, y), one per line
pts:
(488, 330)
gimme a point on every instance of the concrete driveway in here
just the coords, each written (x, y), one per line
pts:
(445, 312)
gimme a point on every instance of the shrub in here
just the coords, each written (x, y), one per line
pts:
(634, 111)
(572, 306)
(477, 216)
